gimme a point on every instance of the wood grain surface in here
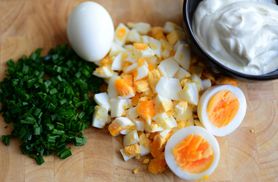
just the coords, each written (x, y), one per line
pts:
(28, 24)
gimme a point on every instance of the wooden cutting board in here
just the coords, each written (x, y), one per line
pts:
(249, 154)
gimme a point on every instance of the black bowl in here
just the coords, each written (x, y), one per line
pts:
(189, 8)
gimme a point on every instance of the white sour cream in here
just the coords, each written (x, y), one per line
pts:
(242, 35)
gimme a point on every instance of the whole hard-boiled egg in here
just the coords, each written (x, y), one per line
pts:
(192, 153)
(90, 31)
(221, 109)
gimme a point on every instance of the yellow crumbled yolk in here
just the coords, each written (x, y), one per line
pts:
(193, 154)
(140, 46)
(222, 108)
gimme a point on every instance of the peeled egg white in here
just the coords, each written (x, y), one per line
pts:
(234, 123)
(177, 138)
(90, 31)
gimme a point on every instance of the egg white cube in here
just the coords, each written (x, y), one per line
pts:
(166, 49)
(120, 38)
(117, 63)
(183, 56)
(142, 72)
(125, 156)
(144, 150)
(206, 84)
(147, 52)
(139, 124)
(111, 90)
(180, 42)
(116, 49)
(146, 39)
(155, 45)
(142, 27)
(103, 72)
(118, 106)
(130, 68)
(182, 73)
(131, 138)
(152, 127)
(100, 117)
(183, 112)
(132, 113)
(165, 133)
(196, 79)
(163, 103)
(190, 93)
(165, 121)
(133, 36)
(102, 99)
(168, 67)
(170, 26)
(168, 88)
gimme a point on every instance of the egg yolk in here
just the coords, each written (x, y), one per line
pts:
(193, 154)
(124, 87)
(222, 108)
(145, 109)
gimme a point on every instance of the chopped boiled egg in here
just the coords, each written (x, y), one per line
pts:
(120, 124)
(144, 142)
(153, 78)
(132, 113)
(155, 45)
(101, 117)
(190, 93)
(222, 109)
(168, 67)
(131, 138)
(145, 109)
(142, 27)
(133, 36)
(192, 153)
(102, 99)
(142, 71)
(103, 72)
(117, 63)
(124, 88)
(159, 141)
(183, 56)
(168, 88)
(163, 104)
(121, 34)
(116, 49)
(132, 150)
(165, 121)
(139, 124)
(119, 106)
(182, 73)
(126, 156)
(174, 36)
(158, 33)
(170, 27)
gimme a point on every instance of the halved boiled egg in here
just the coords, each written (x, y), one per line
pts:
(221, 109)
(192, 153)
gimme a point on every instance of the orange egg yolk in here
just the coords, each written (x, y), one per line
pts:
(222, 108)
(121, 33)
(124, 87)
(145, 109)
(193, 154)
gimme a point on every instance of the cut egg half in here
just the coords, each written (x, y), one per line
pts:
(221, 109)
(192, 153)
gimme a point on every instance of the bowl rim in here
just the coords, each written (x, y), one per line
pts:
(186, 19)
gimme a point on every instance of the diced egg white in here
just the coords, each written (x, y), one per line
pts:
(133, 36)
(183, 56)
(168, 88)
(121, 34)
(117, 63)
(101, 117)
(142, 27)
(103, 72)
(163, 104)
(102, 99)
(170, 26)
(155, 45)
(132, 113)
(168, 67)
(112, 93)
(165, 121)
(118, 106)
(182, 73)
(182, 111)
(131, 138)
(116, 49)
(190, 93)
(142, 72)
(125, 156)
